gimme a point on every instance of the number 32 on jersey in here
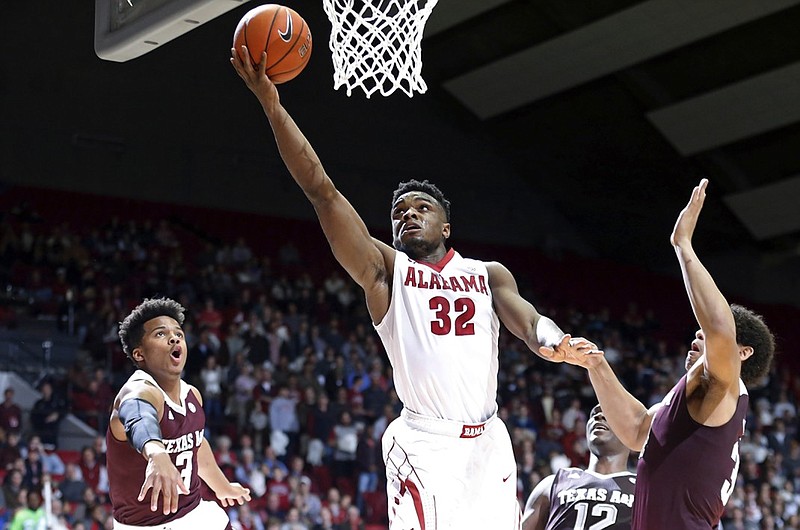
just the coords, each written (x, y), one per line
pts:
(456, 317)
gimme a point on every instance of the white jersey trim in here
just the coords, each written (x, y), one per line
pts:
(180, 408)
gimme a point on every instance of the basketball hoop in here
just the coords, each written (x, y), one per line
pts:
(376, 44)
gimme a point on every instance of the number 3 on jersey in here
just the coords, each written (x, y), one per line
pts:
(457, 319)
(184, 460)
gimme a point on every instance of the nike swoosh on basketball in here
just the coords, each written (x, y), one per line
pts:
(286, 36)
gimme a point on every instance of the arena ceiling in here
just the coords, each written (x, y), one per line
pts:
(606, 113)
(628, 102)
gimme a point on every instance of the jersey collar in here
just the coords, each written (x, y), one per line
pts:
(439, 265)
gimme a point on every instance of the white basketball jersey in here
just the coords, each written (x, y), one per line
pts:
(440, 334)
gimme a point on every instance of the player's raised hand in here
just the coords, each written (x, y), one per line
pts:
(165, 480)
(254, 75)
(687, 219)
(234, 494)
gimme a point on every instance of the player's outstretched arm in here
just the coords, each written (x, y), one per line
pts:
(539, 332)
(364, 258)
(627, 416)
(711, 309)
(136, 415)
(537, 508)
(228, 493)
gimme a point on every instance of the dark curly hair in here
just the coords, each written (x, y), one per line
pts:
(427, 187)
(131, 330)
(751, 330)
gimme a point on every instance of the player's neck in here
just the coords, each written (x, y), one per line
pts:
(608, 464)
(174, 392)
(171, 386)
(433, 257)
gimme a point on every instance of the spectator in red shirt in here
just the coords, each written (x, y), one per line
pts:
(210, 317)
(10, 413)
(333, 503)
(94, 473)
(279, 485)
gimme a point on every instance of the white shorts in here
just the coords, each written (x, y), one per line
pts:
(442, 474)
(208, 515)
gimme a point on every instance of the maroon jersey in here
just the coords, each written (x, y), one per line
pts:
(687, 471)
(584, 499)
(182, 428)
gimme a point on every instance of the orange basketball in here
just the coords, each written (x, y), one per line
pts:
(279, 31)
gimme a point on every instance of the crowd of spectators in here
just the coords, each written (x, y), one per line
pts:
(297, 388)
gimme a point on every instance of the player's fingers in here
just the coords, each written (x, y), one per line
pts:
(244, 55)
(143, 491)
(702, 191)
(579, 342)
(238, 65)
(247, 63)
(175, 498)
(241, 58)
(154, 496)
(165, 498)
(262, 66)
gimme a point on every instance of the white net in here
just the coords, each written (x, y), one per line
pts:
(376, 44)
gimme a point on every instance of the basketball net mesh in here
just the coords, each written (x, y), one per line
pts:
(376, 44)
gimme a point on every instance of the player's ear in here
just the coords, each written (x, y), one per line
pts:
(137, 355)
(446, 230)
(745, 352)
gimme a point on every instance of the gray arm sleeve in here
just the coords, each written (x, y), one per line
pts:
(140, 419)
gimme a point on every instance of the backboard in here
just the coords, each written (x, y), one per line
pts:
(126, 29)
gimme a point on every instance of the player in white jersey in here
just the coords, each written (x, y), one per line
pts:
(449, 459)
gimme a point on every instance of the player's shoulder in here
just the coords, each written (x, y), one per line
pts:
(140, 385)
(542, 490)
(497, 271)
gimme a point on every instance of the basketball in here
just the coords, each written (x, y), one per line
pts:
(279, 31)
